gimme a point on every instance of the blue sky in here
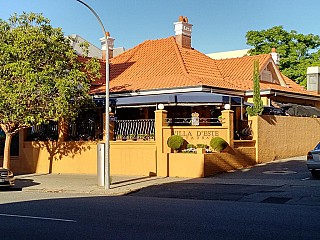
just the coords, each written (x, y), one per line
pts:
(218, 25)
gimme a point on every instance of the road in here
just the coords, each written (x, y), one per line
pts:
(275, 201)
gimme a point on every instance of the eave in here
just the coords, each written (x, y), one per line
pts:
(285, 94)
(199, 88)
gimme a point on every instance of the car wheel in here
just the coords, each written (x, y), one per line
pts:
(315, 173)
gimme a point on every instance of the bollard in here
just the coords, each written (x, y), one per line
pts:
(100, 162)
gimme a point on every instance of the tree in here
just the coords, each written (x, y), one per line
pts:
(257, 107)
(41, 77)
(297, 51)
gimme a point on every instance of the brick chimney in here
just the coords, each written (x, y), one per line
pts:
(110, 42)
(183, 31)
(275, 56)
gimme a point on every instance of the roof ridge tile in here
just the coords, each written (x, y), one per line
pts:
(181, 62)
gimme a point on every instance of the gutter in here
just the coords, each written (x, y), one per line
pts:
(286, 94)
(199, 88)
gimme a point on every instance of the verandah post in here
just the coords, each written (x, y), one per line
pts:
(227, 116)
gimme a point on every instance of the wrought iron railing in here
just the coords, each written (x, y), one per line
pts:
(140, 128)
(43, 132)
(188, 121)
(78, 130)
(83, 130)
(244, 130)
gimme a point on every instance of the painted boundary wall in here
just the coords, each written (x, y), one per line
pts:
(57, 157)
(193, 134)
(130, 157)
(138, 157)
(280, 137)
(204, 165)
(133, 158)
(199, 165)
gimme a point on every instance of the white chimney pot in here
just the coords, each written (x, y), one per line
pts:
(312, 70)
(313, 79)
(110, 41)
(183, 28)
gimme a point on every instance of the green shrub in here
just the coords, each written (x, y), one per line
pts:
(190, 145)
(201, 145)
(218, 143)
(175, 142)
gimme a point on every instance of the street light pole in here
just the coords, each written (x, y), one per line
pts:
(107, 143)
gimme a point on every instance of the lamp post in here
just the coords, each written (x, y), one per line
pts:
(107, 144)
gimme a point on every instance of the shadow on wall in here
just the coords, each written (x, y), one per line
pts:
(57, 150)
(271, 119)
(228, 160)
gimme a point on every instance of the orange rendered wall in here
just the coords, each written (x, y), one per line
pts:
(203, 165)
(128, 157)
(133, 158)
(186, 165)
(280, 137)
(228, 160)
(67, 157)
(193, 134)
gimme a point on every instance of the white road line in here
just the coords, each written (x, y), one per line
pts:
(33, 217)
(303, 179)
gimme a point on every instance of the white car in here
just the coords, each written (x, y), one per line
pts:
(313, 161)
(6, 178)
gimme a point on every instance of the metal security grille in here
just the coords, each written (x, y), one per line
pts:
(82, 130)
(188, 121)
(43, 132)
(140, 128)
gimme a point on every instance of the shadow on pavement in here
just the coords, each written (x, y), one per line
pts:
(10, 189)
(133, 181)
(21, 183)
(274, 179)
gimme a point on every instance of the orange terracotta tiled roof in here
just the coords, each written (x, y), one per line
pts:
(161, 64)
(157, 64)
(240, 70)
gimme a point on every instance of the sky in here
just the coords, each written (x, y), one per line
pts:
(218, 25)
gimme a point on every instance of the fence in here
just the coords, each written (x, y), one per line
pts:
(78, 130)
(43, 132)
(141, 128)
(83, 130)
(188, 121)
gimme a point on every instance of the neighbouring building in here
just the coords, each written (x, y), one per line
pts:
(93, 51)
(77, 40)
(229, 54)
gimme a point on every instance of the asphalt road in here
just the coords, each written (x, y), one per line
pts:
(273, 201)
(155, 218)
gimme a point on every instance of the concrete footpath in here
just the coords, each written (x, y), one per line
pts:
(87, 184)
(281, 181)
